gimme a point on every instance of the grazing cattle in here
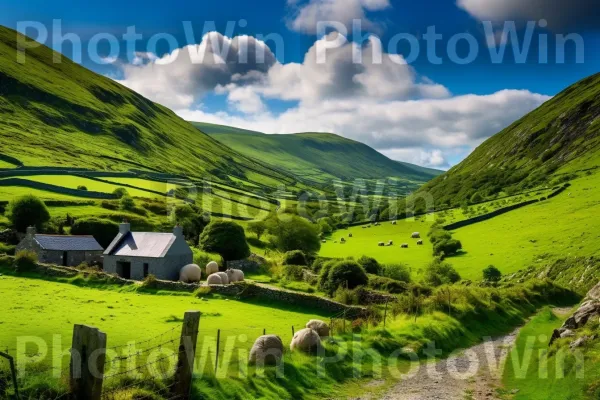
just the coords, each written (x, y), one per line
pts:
(419, 243)
(381, 244)
(416, 235)
(404, 245)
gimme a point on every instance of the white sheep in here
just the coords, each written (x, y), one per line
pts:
(306, 340)
(235, 275)
(212, 268)
(224, 278)
(394, 222)
(404, 245)
(419, 243)
(416, 235)
(190, 273)
(267, 350)
(381, 244)
(318, 326)
(214, 279)
(391, 243)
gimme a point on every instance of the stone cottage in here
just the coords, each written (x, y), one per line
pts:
(135, 255)
(68, 251)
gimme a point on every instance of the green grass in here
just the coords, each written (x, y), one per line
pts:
(8, 193)
(536, 235)
(156, 186)
(365, 242)
(73, 182)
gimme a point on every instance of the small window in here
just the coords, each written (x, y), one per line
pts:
(146, 268)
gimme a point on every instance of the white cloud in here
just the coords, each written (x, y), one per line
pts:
(559, 14)
(306, 15)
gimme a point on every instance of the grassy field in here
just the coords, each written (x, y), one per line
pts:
(565, 226)
(8, 193)
(364, 241)
(73, 182)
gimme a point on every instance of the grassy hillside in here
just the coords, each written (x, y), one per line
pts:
(560, 137)
(317, 157)
(61, 114)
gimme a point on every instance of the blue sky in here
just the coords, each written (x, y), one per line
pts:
(266, 103)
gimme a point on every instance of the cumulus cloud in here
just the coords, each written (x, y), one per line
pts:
(306, 15)
(559, 14)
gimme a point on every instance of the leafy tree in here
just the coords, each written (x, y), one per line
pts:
(492, 274)
(295, 233)
(28, 211)
(81, 187)
(324, 227)
(370, 265)
(225, 238)
(439, 273)
(347, 273)
(294, 257)
(192, 220)
(447, 247)
(103, 230)
(127, 203)
(399, 272)
(258, 228)
(120, 192)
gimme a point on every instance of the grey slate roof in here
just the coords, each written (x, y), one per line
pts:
(141, 244)
(68, 243)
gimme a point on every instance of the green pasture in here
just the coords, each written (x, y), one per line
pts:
(73, 182)
(567, 225)
(162, 187)
(364, 241)
(8, 193)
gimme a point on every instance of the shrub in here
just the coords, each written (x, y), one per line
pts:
(387, 285)
(103, 230)
(109, 205)
(294, 257)
(347, 296)
(324, 273)
(119, 193)
(370, 265)
(25, 260)
(225, 238)
(292, 272)
(127, 203)
(439, 235)
(81, 187)
(348, 274)
(492, 274)
(399, 272)
(258, 228)
(439, 273)
(28, 211)
(295, 233)
(149, 281)
(318, 263)
(447, 247)
(202, 291)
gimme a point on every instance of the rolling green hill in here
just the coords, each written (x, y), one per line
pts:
(63, 115)
(317, 157)
(559, 138)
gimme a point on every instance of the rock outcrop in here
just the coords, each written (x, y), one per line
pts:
(588, 311)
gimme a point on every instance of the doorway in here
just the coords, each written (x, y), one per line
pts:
(65, 259)
(124, 269)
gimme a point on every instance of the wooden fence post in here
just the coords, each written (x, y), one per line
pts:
(385, 312)
(217, 357)
(13, 372)
(88, 355)
(293, 331)
(186, 355)
(264, 331)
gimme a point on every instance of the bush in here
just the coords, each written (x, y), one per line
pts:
(447, 247)
(127, 203)
(348, 274)
(318, 263)
(225, 238)
(295, 233)
(149, 281)
(28, 211)
(119, 193)
(492, 274)
(258, 228)
(103, 230)
(294, 257)
(109, 205)
(370, 265)
(81, 187)
(387, 285)
(440, 273)
(293, 272)
(347, 296)
(398, 272)
(26, 260)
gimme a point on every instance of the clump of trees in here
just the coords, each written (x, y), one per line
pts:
(192, 220)
(294, 257)
(443, 243)
(370, 265)
(27, 211)
(291, 232)
(492, 274)
(103, 230)
(439, 272)
(225, 238)
(346, 273)
(258, 228)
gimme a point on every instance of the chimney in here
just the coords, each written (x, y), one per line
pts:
(178, 231)
(31, 231)
(124, 227)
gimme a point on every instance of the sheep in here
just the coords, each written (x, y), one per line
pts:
(416, 235)
(235, 275)
(224, 278)
(212, 267)
(349, 235)
(343, 240)
(323, 241)
(318, 326)
(404, 245)
(214, 279)
(381, 244)
(190, 273)
(306, 340)
(391, 243)
(394, 222)
(419, 243)
(267, 350)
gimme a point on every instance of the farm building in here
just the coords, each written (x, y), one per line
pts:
(135, 255)
(68, 251)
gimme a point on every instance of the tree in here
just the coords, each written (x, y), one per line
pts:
(225, 238)
(295, 233)
(258, 228)
(120, 193)
(27, 211)
(324, 227)
(127, 203)
(370, 265)
(492, 274)
(191, 220)
(103, 230)
(294, 257)
(397, 272)
(347, 273)
(81, 187)
(439, 273)
(447, 247)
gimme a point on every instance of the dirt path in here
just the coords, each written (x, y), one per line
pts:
(471, 374)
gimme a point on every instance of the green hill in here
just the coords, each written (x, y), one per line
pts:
(543, 148)
(63, 115)
(318, 157)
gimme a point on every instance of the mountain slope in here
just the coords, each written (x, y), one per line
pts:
(560, 137)
(61, 114)
(316, 156)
